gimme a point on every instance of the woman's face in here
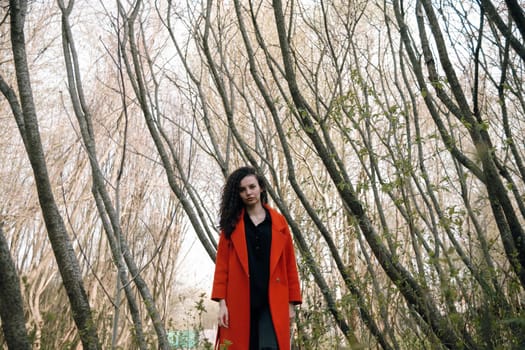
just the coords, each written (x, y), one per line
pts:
(250, 190)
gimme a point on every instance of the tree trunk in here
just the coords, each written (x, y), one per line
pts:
(28, 125)
(11, 304)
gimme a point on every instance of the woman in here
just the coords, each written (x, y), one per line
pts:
(256, 281)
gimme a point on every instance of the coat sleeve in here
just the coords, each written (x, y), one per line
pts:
(220, 278)
(294, 290)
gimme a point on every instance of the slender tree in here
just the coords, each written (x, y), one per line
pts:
(25, 115)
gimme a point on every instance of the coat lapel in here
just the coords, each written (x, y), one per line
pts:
(278, 241)
(238, 238)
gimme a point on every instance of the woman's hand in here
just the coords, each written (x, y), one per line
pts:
(223, 314)
(291, 311)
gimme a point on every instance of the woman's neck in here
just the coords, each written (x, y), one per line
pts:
(255, 210)
(256, 213)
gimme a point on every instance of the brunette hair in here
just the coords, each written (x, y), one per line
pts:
(231, 202)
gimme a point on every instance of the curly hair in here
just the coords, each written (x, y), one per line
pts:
(231, 202)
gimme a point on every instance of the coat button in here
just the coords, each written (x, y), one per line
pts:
(278, 280)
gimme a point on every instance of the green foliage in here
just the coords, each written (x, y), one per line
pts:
(225, 345)
(193, 338)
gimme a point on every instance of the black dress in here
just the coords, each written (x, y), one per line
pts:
(258, 242)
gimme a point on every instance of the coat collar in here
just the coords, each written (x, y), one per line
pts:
(238, 238)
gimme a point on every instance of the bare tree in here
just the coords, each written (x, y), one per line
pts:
(147, 98)
(109, 214)
(25, 114)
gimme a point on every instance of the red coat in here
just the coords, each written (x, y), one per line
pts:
(231, 282)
